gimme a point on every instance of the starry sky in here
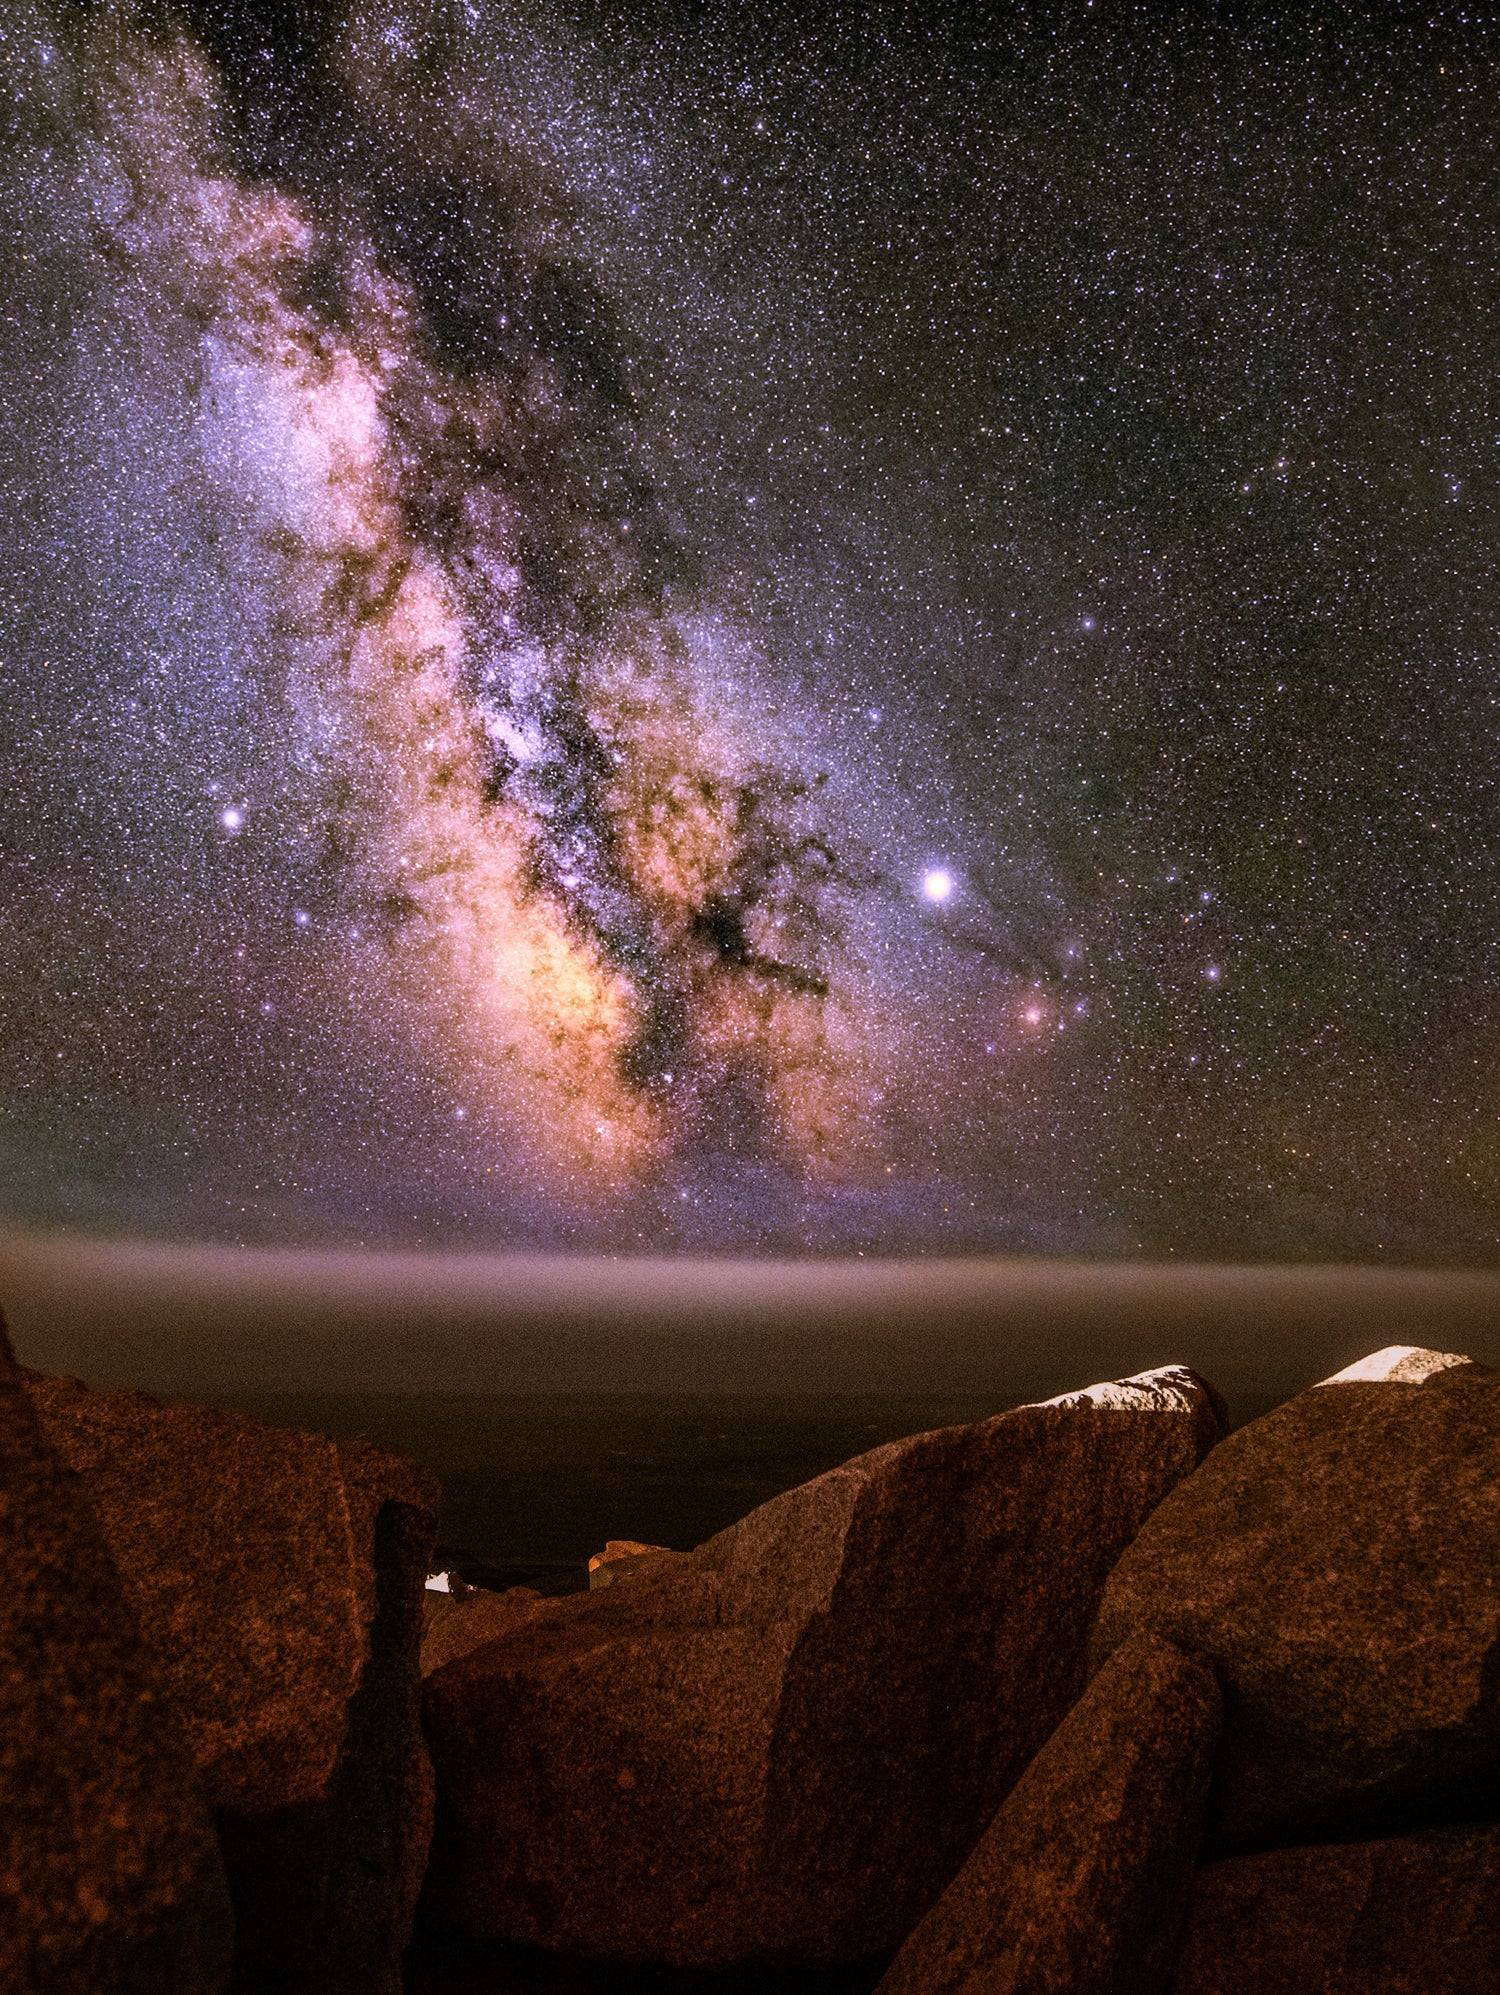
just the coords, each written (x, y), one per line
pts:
(751, 629)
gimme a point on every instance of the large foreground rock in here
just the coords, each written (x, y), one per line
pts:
(787, 1742)
(1078, 1886)
(110, 1879)
(277, 1580)
(1338, 1560)
(454, 1627)
(1413, 1915)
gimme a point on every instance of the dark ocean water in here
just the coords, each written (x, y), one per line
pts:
(533, 1483)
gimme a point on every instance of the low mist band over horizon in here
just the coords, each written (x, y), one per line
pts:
(220, 1323)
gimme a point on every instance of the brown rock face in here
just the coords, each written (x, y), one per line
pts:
(110, 1879)
(1337, 1560)
(277, 1580)
(787, 1742)
(1414, 1915)
(454, 1627)
(1078, 1886)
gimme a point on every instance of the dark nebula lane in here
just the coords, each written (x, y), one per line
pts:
(698, 629)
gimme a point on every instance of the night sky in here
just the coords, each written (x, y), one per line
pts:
(751, 628)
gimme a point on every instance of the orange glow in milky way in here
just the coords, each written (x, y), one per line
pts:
(517, 1010)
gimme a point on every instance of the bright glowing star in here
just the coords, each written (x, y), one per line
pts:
(303, 917)
(1088, 623)
(936, 884)
(1034, 1016)
(1212, 973)
(232, 819)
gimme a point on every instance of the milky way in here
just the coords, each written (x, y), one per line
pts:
(649, 628)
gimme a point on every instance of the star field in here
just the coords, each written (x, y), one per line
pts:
(705, 628)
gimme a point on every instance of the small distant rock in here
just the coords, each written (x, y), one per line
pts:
(277, 1579)
(110, 1877)
(450, 1583)
(602, 1564)
(1337, 1560)
(788, 1741)
(1078, 1886)
(1409, 1915)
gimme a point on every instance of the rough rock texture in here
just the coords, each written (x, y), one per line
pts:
(603, 1564)
(277, 1579)
(1337, 1559)
(110, 1878)
(1414, 1915)
(1079, 1885)
(455, 1626)
(786, 1742)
